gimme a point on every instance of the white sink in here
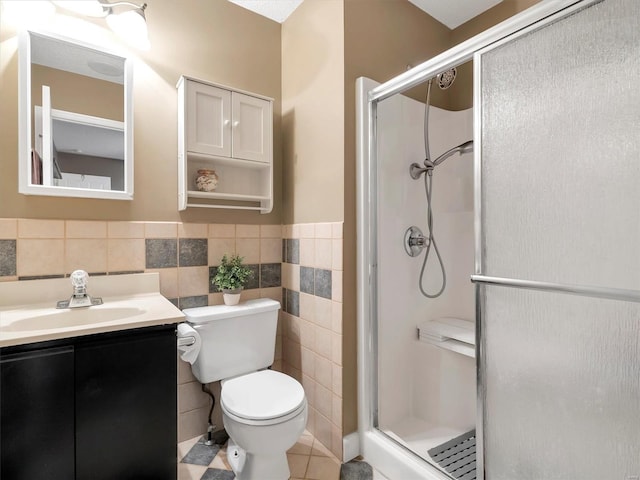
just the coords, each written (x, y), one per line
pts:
(57, 319)
(130, 301)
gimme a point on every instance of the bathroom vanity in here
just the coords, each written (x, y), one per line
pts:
(96, 399)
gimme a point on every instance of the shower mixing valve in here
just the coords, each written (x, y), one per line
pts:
(414, 241)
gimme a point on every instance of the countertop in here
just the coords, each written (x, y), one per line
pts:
(130, 301)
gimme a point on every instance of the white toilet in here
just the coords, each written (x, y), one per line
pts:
(264, 411)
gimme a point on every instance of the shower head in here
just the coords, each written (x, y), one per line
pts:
(415, 170)
(465, 147)
(446, 78)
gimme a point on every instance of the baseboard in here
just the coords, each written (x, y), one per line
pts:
(350, 446)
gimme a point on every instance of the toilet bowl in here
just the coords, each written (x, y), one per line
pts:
(264, 414)
(264, 411)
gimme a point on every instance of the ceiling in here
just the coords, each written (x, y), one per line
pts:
(454, 13)
(451, 13)
(277, 10)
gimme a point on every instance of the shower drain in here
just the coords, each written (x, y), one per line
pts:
(457, 456)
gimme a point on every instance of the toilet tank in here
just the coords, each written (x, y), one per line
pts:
(235, 339)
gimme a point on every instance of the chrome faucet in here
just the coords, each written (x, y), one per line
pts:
(80, 297)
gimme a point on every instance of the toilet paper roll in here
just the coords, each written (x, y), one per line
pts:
(189, 353)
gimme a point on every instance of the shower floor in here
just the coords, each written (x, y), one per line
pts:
(421, 436)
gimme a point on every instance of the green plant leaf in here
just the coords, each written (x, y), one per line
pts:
(232, 273)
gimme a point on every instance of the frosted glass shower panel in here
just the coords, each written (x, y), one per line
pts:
(563, 381)
(561, 150)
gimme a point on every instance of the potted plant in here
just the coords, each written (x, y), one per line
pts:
(231, 278)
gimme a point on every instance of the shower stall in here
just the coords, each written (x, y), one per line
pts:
(423, 408)
(499, 259)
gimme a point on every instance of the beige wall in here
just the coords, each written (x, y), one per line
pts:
(216, 41)
(488, 19)
(382, 39)
(313, 66)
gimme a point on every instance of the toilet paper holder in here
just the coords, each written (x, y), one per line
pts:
(189, 342)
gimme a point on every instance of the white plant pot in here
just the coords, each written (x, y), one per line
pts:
(231, 297)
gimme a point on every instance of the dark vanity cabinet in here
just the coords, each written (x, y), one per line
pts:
(37, 414)
(90, 408)
(126, 407)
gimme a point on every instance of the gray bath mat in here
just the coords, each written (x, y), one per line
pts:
(356, 470)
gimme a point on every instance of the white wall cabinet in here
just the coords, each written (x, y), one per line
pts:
(228, 131)
(208, 115)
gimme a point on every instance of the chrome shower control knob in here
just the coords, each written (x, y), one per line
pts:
(414, 241)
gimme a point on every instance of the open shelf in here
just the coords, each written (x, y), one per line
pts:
(449, 333)
(242, 184)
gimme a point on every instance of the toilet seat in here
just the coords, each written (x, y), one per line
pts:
(262, 398)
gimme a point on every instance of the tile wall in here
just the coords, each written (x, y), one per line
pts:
(184, 255)
(312, 323)
(305, 259)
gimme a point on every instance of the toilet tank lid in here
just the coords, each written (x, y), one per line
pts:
(217, 312)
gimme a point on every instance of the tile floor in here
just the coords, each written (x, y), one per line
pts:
(308, 460)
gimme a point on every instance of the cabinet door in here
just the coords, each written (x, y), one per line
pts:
(126, 406)
(208, 119)
(36, 414)
(251, 128)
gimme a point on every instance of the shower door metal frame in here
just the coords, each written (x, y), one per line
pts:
(380, 450)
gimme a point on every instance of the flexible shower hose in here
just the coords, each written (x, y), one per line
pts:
(431, 241)
(428, 188)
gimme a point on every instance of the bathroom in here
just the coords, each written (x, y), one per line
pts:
(309, 65)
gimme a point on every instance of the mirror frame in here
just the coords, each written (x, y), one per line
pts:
(25, 115)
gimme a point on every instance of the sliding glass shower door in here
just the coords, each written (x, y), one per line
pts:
(558, 266)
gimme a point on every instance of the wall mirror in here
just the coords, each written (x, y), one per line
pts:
(75, 114)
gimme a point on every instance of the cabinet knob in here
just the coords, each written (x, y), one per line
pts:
(226, 123)
(236, 123)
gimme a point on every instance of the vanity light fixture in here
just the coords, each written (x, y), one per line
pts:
(130, 25)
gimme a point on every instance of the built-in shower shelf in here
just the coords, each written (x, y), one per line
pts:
(449, 333)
